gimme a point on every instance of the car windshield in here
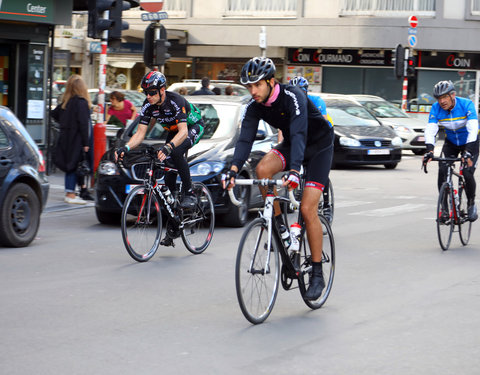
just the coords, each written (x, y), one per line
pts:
(219, 122)
(383, 109)
(348, 114)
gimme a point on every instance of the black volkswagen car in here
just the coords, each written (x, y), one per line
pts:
(23, 184)
(360, 139)
(208, 160)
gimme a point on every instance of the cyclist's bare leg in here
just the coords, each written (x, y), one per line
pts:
(309, 207)
(269, 166)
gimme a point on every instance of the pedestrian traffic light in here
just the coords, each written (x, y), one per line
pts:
(411, 64)
(148, 45)
(96, 23)
(398, 61)
(161, 51)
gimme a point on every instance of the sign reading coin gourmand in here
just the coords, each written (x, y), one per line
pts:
(340, 57)
(37, 11)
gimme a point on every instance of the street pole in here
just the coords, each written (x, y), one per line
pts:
(262, 40)
(405, 82)
(99, 135)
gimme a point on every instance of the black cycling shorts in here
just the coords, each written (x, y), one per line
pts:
(317, 162)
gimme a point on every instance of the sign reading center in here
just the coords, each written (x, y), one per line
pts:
(152, 5)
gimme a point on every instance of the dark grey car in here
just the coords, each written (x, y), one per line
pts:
(23, 184)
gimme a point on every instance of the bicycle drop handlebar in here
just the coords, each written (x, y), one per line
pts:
(449, 160)
(261, 182)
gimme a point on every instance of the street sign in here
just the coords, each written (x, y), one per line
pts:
(412, 31)
(412, 40)
(155, 16)
(152, 5)
(412, 20)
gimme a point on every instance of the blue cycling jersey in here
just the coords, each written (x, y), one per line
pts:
(461, 123)
(319, 103)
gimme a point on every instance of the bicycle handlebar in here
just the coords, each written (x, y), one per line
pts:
(439, 159)
(261, 182)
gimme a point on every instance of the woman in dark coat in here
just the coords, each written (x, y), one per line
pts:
(73, 115)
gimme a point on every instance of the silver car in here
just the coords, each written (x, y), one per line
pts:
(408, 128)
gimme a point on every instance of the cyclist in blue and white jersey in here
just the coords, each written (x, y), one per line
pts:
(459, 118)
(302, 82)
(308, 139)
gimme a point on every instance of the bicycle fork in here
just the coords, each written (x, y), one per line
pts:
(267, 216)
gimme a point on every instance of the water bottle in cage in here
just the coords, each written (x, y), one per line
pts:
(455, 193)
(167, 194)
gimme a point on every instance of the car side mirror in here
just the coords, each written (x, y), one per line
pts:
(261, 135)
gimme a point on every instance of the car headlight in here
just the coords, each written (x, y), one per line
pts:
(402, 129)
(206, 167)
(108, 168)
(349, 142)
(397, 141)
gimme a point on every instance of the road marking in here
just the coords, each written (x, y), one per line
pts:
(350, 203)
(389, 211)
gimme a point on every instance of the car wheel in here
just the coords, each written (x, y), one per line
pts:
(237, 216)
(110, 218)
(391, 165)
(20, 216)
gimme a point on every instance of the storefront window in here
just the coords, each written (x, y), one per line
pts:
(372, 81)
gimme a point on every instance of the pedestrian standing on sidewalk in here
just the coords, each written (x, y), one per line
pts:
(73, 115)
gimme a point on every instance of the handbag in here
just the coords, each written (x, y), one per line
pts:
(83, 168)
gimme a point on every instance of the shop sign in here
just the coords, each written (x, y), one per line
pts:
(340, 57)
(38, 11)
(450, 60)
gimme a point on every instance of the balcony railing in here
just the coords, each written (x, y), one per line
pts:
(476, 7)
(261, 8)
(388, 8)
(175, 8)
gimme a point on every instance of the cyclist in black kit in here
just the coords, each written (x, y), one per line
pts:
(308, 139)
(183, 122)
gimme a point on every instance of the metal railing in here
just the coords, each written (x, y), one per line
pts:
(260, 8)
(392, 8)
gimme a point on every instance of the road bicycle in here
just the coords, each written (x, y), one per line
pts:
(258, 270)
(142, 211)
(452, 209)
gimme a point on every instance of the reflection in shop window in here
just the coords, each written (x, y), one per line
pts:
(261, 8)
(387, 7)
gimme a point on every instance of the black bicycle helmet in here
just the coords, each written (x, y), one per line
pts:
(300, 82)
(442, 88)
(256, 69)
(153, 80)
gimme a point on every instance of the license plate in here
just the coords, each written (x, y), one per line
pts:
(380, 151)
(128, 188)
(421, 139)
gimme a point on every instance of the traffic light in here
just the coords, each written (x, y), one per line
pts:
(96, 23)
(116, 17)
(161, 51)
(399, 61)
(411, 64)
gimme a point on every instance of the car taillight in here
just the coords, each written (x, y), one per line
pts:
(41, 165)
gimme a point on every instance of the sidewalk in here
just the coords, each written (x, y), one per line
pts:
(56, 195)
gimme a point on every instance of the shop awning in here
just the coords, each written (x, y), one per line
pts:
(122, 64)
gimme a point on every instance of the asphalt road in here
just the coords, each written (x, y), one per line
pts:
(74, 301)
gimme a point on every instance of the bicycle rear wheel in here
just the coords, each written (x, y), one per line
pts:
(141, 223)
(444, 216)
(256, 278)
(199, 222)
(328, 264)
(464, 224)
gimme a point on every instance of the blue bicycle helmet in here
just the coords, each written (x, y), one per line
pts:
(153, 80)
(300, 82)
(442, 88)
(256, 69)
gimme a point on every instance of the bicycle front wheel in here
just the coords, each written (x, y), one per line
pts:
(328, 209)
(444, 216)
(464, 224)
(141, 223)
(257, 272)
(328, 264)
(199, 222)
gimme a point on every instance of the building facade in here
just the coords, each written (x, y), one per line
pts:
(341, 46)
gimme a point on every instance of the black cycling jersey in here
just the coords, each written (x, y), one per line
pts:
(298, 118)
(174, 110)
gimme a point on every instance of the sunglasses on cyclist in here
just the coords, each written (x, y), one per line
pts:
(151, 93)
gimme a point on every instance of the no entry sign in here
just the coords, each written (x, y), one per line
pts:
(152, 5)
(412, 20)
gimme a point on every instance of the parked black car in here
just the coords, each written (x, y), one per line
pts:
(23, 184)
(208, 160)
(360, 139)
